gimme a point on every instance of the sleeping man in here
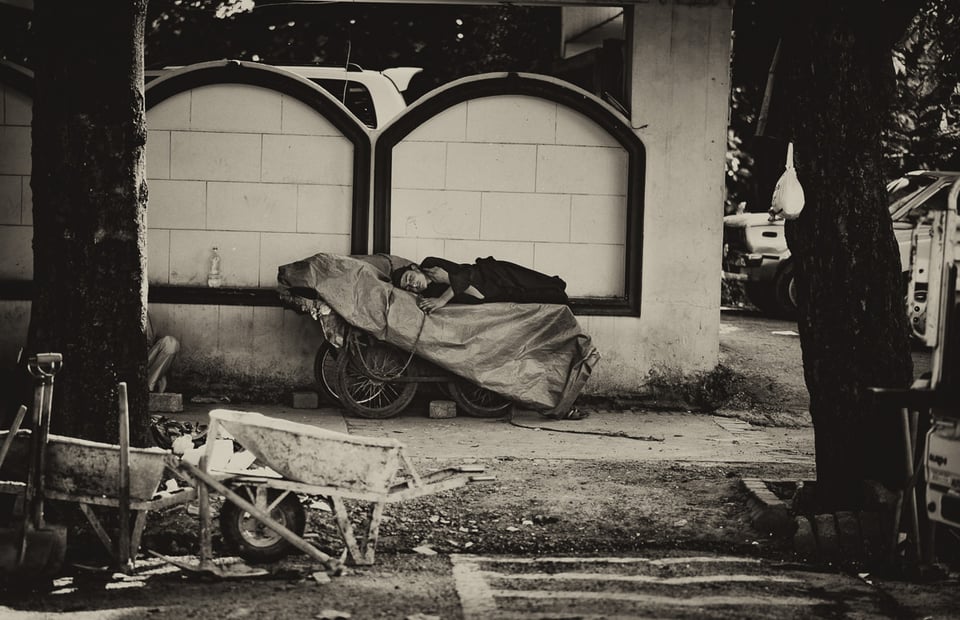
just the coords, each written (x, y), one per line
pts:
(439, 282)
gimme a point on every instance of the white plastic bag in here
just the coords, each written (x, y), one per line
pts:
(788, 198)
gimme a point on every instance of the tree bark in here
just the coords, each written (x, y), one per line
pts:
(89, 211)
(835, 84)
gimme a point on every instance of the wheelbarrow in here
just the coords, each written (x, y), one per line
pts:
(34, 549)
(263, 518)
(96, 477)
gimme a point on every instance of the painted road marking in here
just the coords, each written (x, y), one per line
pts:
(497, 587)
(667, 581)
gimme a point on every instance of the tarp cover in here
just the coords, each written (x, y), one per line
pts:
(534, 354)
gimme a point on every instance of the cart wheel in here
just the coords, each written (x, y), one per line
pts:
(252, 540)
(325, 371)
(477, 401)
(372, 396)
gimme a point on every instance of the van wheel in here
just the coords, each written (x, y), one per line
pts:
(785, 291)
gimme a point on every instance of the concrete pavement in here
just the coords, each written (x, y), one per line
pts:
(605, 435)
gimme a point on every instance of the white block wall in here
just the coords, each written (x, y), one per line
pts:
(16, 201)
(258, 174)
(518, 178)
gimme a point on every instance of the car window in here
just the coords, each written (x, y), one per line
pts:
(903, 190)
(921, 212)
(357, 98)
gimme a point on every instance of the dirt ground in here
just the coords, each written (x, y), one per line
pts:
(541, 507)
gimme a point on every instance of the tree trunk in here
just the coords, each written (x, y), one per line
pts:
(89, 211)
(835, 80)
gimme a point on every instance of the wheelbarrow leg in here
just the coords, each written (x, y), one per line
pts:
(362, 554)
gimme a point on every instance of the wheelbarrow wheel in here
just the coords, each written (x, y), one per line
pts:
(477, 401)
(364, 373)
(325, 371)
(252, 540)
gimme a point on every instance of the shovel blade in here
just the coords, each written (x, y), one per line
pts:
(32, 553)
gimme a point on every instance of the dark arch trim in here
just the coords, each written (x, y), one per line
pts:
(19, 78)
(237, 72)
(513, 84)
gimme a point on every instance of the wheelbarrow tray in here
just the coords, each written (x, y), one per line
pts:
(312, 455)
(81, 468)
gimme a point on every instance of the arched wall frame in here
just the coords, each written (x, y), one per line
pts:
(552, 90)
(254, 74)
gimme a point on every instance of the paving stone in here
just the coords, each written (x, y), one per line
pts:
(440, 409)
(165, 402)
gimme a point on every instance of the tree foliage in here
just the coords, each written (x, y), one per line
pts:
(924, 129)
(448, 41)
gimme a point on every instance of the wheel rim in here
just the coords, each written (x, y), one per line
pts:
(792, 292)
(255, 533)
(375, 393)
(478, 401)
(325, 369)
(365, 373)
(483, 398)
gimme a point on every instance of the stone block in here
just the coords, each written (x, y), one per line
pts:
(848, 532)
(165, 402)
(828, 543)
(440, 409)
(306, 399)
(768, 513)
(876, 537)
(804, 540)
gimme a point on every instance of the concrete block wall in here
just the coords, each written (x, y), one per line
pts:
(16, 200)
(518, 178)
(257, 173)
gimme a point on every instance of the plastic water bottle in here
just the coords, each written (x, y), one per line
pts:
(214, 279)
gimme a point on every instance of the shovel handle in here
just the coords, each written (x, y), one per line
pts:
(44, 365)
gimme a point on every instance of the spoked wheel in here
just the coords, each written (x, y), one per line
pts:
(252, 540)
(366, 370)
(325, 371)
(477, 401)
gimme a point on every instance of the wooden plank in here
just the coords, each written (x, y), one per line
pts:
(123, 533)
(97, 527)
(346, 530)
(8, 440)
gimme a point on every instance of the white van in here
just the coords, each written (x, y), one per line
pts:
(374, 97)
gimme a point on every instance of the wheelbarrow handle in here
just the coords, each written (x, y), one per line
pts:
(44, 365)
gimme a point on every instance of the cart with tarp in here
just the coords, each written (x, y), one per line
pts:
(379, 345)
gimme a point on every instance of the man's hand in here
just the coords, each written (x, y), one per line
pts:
(429, 304)
(438, 274)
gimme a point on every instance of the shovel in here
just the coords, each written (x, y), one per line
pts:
(36, 550)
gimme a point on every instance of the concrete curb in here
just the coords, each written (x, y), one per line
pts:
(768, 513)
(825, 538)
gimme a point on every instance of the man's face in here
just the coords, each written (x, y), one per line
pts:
(413, 280)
